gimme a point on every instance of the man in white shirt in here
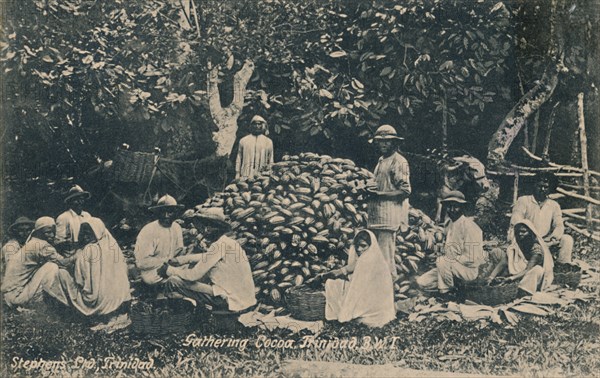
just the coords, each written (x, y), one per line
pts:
(221, 277)
(463, 249)
(158, 241)
(68, 223)
(546, 216)
(255, 152)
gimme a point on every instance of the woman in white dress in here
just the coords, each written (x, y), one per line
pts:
(362, 290)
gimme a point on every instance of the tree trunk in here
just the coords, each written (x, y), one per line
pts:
(226, 118)
(514, 121)
(536, 97)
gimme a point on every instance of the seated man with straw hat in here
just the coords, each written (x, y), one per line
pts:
(463, 249)
(34, 268)
(17, 233)
(68, 223)
(158, 241)
(221, 277)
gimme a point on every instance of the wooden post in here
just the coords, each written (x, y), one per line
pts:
(515, 188)
(445, 126)
(549, 131)
(195, 10)
(584, 159)
(536, 128)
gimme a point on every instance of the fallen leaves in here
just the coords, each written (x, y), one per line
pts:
(539, 304)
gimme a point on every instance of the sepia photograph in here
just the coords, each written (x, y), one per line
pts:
(300, 188)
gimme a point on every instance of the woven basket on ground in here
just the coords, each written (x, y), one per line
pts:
(224, 321)
(166, 316)
(567, 275)
(305, 303)
(491, 295)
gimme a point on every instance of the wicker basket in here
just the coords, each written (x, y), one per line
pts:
(166, 316)
(491, 295)
(305, 303)
(567, 275)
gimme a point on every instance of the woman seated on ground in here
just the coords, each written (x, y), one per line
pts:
(99, 284)
(368, 294)
(527, 259)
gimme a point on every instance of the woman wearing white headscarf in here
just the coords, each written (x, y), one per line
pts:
(527, 259)
(99, 284)
(368, 295)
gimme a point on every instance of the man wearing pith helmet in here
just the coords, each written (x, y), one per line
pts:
(220, 278)
(159, 241)
(255, 153)
(463, 249)
(389, 191)
(17, 233)
(68, 223)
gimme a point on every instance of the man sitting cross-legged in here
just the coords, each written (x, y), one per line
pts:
(463, 249)
(221, 277)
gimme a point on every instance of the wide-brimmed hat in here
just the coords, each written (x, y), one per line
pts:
(257, 118)
(385, 132)
(166, 202)
(21, 221)
(76, 191)
(43, 222)
(213, 215)
(454, 196)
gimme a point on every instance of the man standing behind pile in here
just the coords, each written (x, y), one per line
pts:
(255, 153)
(158, 241)
(388, 204)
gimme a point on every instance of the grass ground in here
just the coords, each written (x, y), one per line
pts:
(566, 343)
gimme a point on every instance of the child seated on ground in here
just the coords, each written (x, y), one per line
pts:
(527, 259)
(366, 291)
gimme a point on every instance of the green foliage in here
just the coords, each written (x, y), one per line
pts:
(324, 68)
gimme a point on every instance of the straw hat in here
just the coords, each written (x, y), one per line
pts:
(385, 132)
(77, 191)
(20, 221)
(214, 215)
(454, 196)
(166, 202)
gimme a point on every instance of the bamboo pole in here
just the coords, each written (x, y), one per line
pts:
(560, 166)
(582, 231)
(574, 211)
(579, 196)
(580, 187)
(580, 217)
(559, 174)
(584, 159)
